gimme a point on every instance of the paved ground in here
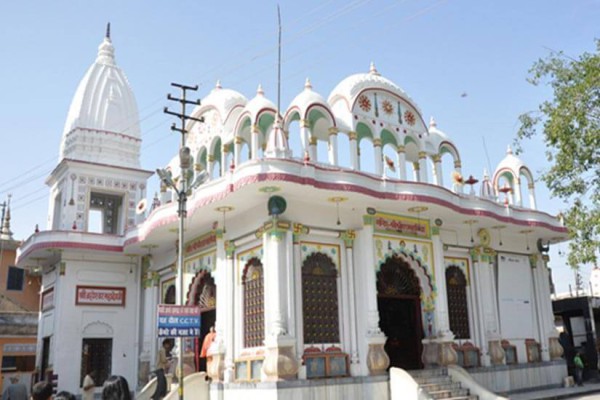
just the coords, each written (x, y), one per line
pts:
(590, 391)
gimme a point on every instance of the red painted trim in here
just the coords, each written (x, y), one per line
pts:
(70, 245)
(355, 188)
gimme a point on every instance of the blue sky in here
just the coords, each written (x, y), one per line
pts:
(434, 50)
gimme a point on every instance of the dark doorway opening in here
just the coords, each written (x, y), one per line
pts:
(399, 305)
(400, 320)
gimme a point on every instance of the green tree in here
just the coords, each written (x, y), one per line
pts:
(569, 123)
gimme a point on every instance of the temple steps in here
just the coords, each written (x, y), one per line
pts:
(438, 385)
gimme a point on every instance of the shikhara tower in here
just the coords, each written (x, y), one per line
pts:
(89, 299)
(371, 255)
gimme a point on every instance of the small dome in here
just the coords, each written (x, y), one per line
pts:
(307, 98)
(103, 122)
(436, 136)
(349, 88)
(223, 100)
(510, 162)
(259, 104)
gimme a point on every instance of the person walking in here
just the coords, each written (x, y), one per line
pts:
(42, 391)
(578, 369)
(88, 386)
(16, 390)
(162, 365)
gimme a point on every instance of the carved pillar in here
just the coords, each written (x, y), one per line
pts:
(150, 299)
(280, 360)
(255, 142)
(333, 146)
(215, 366)
(353, 150)
(224, 157)
(401, 163)
(298, 230)
(378, 156)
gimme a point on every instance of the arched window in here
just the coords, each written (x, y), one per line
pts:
(458, 309)
(254, 304)
(320, 300)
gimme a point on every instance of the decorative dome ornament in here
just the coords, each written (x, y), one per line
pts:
(373, 69)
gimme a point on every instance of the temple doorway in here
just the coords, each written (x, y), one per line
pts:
(399, 305)
(204, 295)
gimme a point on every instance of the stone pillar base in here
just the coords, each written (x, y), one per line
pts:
(280, 360)
(377, 359)
(438, 352)
(555, 349)
(215, 366)
(496, 351)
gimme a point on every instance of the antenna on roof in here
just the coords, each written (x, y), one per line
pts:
(108, 30)
(278, 63)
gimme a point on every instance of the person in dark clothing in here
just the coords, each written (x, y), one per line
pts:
(42, 391)
(116, 388)
(163, 363)
(64, 395)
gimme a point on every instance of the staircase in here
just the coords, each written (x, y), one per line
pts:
(438, 385)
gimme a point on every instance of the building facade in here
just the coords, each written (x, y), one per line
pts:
(19, 303)
(332, 239)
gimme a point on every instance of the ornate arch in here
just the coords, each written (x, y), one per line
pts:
(396, 278)
(203, 291)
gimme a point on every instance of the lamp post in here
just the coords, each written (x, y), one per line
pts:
(182, 189)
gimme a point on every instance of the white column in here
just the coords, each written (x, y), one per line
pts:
(441, 301)
(224, 159)
(532, 203)
(376, 360)
(238, 151)
(348, 238)
(353, 150)
(401, 163)
(518, 197)
(423, 177)
(297, 298)
(378, 156)
(254, 145)
(480, 310)
(333, 146)
(304, 136)
(313, 148)
(280, 361)
(439, 177)
(228, 337)
(210, 163)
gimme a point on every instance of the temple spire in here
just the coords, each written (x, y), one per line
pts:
(108, 31)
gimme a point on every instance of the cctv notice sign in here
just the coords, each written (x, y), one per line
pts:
(178, 321)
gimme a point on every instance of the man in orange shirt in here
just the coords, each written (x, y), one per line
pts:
(208, 339)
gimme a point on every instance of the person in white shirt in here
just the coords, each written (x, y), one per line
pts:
(87, 389)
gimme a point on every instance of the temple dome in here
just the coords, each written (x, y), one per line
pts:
(223, 100)
(258, 105)
(102, 124)
(349, 88)
(510, 162)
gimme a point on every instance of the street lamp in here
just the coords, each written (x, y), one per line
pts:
(182, 189)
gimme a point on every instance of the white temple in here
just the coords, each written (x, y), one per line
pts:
(381, 257)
